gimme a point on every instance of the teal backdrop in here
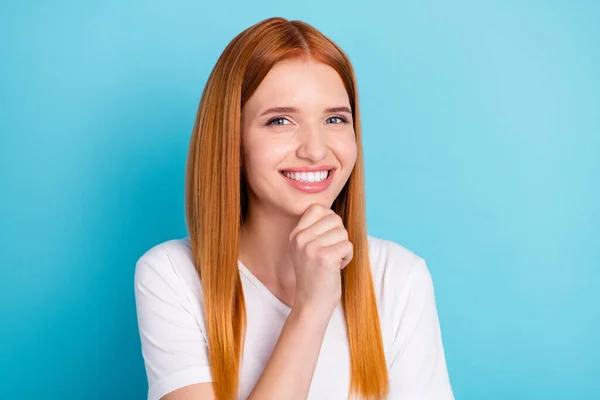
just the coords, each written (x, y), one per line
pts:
(481, 124)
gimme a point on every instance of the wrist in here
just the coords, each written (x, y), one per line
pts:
(316, 316)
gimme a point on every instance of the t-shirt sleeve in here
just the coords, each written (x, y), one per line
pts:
(418, 366)
(174, 348)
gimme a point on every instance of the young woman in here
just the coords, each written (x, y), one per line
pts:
(279, 293)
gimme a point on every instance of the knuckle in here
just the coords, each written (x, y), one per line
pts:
(350, 247)
(346, 246)
(334, 216)
(301, 239)
(323, 255)
(343, 232)
(310, 249)
(335, 219)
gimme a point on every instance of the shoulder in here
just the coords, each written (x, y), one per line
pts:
(409, 322)
(169, 262)
(165, 250)
(390, 259)
(397, 272)
(170, 318)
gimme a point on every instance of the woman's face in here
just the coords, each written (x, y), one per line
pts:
(298, 119)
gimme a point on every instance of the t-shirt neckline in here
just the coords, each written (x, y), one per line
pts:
(280, 305)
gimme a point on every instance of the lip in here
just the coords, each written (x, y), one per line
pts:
(309, 187)
(309, 168)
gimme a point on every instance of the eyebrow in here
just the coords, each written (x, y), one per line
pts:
(290, 110)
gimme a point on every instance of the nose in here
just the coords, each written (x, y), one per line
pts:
(312, 144)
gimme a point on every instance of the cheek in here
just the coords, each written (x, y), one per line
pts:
(262, 155)
(346, 151)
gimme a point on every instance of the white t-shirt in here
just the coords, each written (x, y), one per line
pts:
(171, 323)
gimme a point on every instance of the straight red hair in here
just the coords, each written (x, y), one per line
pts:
(216, 204)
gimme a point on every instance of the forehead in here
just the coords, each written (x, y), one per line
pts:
(306, 84)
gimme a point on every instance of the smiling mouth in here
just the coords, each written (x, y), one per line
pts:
(308, 177)
(309, 182)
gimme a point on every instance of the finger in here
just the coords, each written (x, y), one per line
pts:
(332, 236)
(313, 213)
(325, 224)
(342, 250)
(345, 261)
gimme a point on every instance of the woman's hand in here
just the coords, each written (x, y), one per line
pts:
(320, 249)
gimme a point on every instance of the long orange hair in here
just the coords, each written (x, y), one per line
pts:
(216, 204)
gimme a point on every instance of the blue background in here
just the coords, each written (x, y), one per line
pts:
(481, 132)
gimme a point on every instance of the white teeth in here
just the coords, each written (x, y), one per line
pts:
(307, 176)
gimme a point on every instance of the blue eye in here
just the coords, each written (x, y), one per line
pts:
(272, 122)
(342, 120)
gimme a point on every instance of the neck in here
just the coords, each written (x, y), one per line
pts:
(264, 246)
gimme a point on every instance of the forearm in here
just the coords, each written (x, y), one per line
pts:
(290, 369)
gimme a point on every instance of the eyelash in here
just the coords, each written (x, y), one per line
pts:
(270, 123)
